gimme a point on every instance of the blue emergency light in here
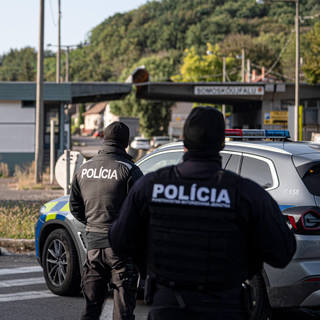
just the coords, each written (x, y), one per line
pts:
(257, 133)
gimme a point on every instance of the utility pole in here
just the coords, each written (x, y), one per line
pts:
(297, 75)
(52, 151)
(39, 100)
(297, 80)
(224, 72)
(242, 65)
(67, 63)
(67, 52)
(59, 44)
(248, 70)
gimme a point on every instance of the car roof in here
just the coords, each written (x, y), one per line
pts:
(261, 146)
(141, 139)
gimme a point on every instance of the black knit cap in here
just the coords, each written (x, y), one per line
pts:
(117, 132)
(204, 130)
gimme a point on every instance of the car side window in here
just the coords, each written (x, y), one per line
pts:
(233, 163)
(160, 160)
(257, 170)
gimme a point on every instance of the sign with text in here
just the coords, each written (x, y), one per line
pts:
(276, 117)
(229, 90)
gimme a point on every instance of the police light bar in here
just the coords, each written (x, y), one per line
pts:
(257, 133)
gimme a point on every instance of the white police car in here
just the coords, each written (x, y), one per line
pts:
(289, 171)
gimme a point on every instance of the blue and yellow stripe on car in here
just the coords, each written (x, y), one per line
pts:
(56, 210)
(53, 210)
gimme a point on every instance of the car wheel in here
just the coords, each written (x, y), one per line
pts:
(261, 307)
(60, 264)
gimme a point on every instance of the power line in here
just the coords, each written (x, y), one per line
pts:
(280, 54)
(273, 72)
(302, 19)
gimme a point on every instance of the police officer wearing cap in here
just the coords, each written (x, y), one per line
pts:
(204, 231)
(98, 190)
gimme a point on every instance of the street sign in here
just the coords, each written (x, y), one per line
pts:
(276, 117)
(76, 160)
(229, 90)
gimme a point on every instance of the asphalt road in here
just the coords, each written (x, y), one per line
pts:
(25, 296)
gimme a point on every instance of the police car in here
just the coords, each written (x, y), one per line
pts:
(289, 171)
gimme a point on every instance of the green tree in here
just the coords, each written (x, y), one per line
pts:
(262, 51)
(82, 109)
(311, 66)
(154, 116)
(162, 26)
(206, 67)
(19, 65)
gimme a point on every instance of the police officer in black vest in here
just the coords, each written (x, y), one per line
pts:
(203, 231)
(98, 190)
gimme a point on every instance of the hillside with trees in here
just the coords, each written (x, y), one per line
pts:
(185, 40)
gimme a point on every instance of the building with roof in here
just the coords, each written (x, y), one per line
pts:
(94, 117)
(254, 105)
(17, 114)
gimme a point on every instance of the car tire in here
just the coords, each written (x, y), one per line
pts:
(261, 307)
(60, 264)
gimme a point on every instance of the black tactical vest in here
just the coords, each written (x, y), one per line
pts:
(104, 185)
(194, 236)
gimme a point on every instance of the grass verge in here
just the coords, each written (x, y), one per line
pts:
(25, 179)
(18, 218)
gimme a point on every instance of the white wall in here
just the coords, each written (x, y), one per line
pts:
(92, 121)
(17, 127)
(108, 117)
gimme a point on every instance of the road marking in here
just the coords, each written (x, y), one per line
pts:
(21, 282)
(26, 295)
(20, 270)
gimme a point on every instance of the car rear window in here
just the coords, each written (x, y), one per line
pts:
(311, 179)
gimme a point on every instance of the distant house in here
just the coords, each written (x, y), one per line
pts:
(93, 118)
(131, 122)
(108, 116)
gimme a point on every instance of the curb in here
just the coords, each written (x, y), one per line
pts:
(16, 246)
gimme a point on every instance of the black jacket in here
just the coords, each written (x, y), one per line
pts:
(100, 186)
(268, 237)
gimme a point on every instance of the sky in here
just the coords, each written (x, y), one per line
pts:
(19, 20)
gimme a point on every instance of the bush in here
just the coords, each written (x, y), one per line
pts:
(25, 177)
(4, 170)
(18, 218)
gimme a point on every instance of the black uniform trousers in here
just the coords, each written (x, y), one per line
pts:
(101, 266)
(171, 304)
